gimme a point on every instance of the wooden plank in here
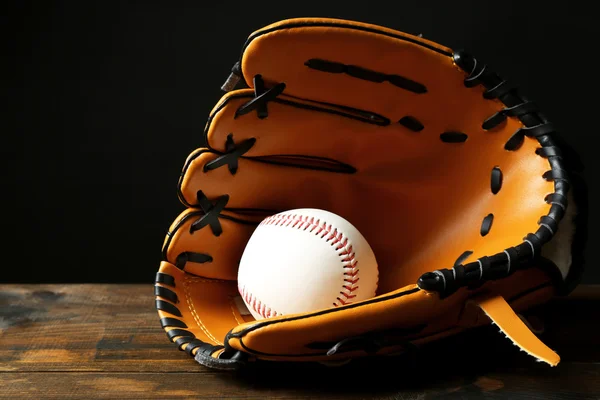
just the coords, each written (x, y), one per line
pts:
(572, 381)
(105, 341)
(115, 328)
(85, 328)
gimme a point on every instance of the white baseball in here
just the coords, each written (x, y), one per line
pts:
(305, 260)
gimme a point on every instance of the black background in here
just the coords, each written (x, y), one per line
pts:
(104, 100)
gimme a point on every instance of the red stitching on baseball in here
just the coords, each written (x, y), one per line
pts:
(335, 238)
(260, 308)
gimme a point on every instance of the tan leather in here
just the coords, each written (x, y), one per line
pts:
(208, 309)
(418, 201)
(496, 308)
(225, 249)
(391, 196)
(204, 304)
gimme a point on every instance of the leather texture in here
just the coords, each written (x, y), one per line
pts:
(515, 329)
(418, 200)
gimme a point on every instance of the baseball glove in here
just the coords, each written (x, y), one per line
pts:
(458, 182)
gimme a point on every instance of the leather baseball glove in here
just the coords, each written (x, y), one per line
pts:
(457, 181)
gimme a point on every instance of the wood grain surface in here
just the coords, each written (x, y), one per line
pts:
(105, 341)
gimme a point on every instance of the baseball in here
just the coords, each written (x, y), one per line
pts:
(305, 260)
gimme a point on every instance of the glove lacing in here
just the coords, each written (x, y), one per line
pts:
(474, 274)
(259, 103)
(211, 218)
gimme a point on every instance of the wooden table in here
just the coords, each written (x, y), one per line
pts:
(104, 341)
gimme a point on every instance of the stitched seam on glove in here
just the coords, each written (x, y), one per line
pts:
(191, 306)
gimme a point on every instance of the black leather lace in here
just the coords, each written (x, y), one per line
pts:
(209, 218)
(211, 213)
(261, 98)
(371, 342)
(535, 125)
(234, 151)
(479, 75)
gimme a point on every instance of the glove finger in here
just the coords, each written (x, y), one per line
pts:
(356, 65)
(287, 126)
(209, 243)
